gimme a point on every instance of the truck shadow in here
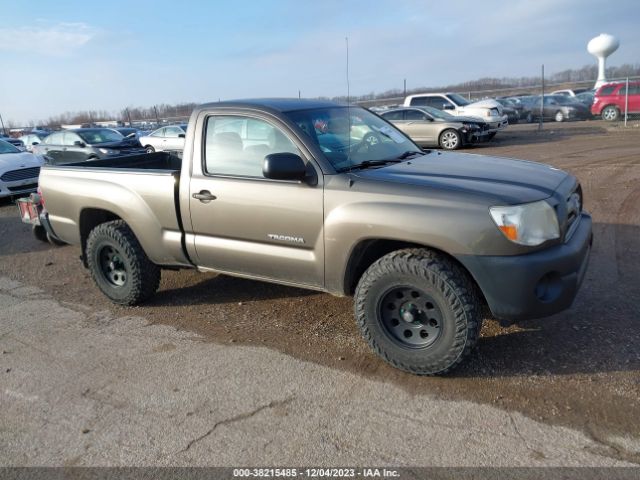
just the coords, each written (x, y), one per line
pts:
(11, 228)
(220, 289)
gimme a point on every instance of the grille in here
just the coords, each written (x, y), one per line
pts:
(22, 174)
(30, 186)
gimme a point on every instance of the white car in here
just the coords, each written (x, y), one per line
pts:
(488, 110)
(19, 171)
(570, 93)
(165, 138)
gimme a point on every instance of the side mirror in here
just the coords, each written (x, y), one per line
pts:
(80, 144)
(181, 135)
(447, 106)
(284, 166)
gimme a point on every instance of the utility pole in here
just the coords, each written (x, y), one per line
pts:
(2, 122)
(405, 88)
(542, 102)
(157, 118)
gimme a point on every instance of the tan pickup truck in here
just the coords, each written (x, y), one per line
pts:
(332, 198)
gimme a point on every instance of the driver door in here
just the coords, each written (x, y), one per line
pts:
(419, 127)
(244, 223)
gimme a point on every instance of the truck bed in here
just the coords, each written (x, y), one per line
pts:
(141, 189)
(159, 161)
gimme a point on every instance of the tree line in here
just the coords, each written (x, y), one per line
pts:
(182, 110)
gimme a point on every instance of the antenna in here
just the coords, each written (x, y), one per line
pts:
(346, 39)
(347, 42)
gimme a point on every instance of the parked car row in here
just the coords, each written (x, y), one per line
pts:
(19, 170)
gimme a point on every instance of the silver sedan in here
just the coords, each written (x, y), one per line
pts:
(165, 138)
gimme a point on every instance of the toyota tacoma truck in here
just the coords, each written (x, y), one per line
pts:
(332, 198)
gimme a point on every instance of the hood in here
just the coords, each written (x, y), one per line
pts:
(463, 118)
(487, 103)
(505, 181)
(16, 161)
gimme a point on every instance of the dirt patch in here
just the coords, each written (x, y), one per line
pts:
(580, 368)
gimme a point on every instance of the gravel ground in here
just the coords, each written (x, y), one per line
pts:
(578, 369)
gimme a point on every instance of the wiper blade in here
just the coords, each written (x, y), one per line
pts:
(410, 153)
(371, 163)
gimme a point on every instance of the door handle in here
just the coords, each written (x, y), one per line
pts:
(205, 196)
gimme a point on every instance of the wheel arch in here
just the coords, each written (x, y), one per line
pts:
(366, 252)
(90, 218)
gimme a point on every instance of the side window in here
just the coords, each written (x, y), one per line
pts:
(437, 102)
(607, 90)
(158, 133)
(55, 138)
(633, 90)
(420, 101)
(69, 138)
(172, 132)
(395, 115)
(236, 145)
(414, 115)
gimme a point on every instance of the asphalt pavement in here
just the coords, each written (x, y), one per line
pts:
(81, 386)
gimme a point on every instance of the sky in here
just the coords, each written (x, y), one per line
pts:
(59, 56)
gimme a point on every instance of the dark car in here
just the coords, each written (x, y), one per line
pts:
(559, 108)
(512, 110)
(68, 146)
(586, 98)
(526, 103)
(16, 142)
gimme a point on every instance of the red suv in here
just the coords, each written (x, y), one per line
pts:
(609, 101)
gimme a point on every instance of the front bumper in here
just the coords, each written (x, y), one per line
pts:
(537, 284)
(18, 188)
(496, 126)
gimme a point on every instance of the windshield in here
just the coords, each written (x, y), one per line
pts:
(458, 99)
(6, 147)
(100, 135)
(434, 112)
(349, 136)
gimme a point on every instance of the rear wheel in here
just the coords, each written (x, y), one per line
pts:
(559, 116)
(119, 265)
(450, 139)
(610, 113)
(418, 311)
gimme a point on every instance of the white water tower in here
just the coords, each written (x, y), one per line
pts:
(601, 47)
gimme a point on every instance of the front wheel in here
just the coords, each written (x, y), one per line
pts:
(450, 139)
(559, 117)
(491, 135)
(418, 311)
(118, 264)
(149, 149)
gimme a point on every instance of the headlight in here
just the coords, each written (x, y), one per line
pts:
(108, 151)
(529, 224)
(470, 126)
